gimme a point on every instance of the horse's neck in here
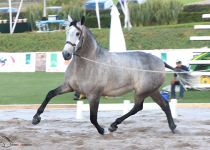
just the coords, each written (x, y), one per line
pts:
(90, 47)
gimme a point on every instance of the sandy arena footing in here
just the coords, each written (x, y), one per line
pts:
(147, 130)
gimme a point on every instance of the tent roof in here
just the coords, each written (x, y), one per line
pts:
(6, 9)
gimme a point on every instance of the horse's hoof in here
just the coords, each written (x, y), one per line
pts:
(101, 131)
(173, 127)
(113, 128)
(36, 120)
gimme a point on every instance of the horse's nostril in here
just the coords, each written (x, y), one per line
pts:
(66, 55)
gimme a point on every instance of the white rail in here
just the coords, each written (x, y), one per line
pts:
(125, 107)
(206, 16)
(201, 27)
(200, 38)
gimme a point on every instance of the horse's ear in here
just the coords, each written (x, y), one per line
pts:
(82, 20)
(70, 19)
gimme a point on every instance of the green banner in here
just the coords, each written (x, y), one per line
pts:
(28, 59)
(53, 60)
(164, 56)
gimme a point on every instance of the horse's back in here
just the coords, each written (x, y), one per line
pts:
(138, 59)
(149, 68)
(135, 70)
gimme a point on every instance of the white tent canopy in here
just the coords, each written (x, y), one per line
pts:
(116, 40)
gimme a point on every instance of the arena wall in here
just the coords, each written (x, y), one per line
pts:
(54, 62)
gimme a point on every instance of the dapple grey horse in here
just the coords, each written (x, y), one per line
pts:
(95, 72)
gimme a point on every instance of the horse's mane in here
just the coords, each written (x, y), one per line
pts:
(93, 37)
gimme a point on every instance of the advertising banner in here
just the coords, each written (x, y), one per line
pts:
(17, 62)
(170, 56)
(55, 62)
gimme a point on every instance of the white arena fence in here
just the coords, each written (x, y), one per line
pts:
(54, 62)
(124, 107)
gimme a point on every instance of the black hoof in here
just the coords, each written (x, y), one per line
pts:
(36, 120)
(113, 128)
(101, 131)
(173, 127)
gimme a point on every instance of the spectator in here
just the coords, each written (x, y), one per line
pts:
(176, 82)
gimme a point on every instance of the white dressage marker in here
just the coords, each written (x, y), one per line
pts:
(125, 107)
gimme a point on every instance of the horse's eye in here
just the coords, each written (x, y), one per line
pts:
(77, 34)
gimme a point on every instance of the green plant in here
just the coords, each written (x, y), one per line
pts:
(74, 12)
(34, 13)
(73, 8)
(155, 12)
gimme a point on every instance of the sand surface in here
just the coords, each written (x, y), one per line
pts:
(147, 130)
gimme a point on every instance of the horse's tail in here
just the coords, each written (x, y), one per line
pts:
(184, 76)
(168, 66)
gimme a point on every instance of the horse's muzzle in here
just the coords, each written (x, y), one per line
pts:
(66, 55)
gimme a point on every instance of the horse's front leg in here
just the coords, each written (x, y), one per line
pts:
(64, 88)
(94, 103)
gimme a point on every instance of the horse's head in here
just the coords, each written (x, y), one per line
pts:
(74, 37)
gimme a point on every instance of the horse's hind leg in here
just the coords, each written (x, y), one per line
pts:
(137, 107)
(64, 88)
(165, 107)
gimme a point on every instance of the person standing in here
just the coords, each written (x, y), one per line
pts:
(175, 82)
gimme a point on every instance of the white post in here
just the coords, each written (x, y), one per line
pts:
(10, 16)
(126, 105)
(127, 16)
(17, 15)
(122, 7)
(44, 9)
(98, 14)
(79, 110)
(173, 104)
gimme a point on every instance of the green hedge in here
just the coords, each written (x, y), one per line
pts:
(20, 27)
(102, 12)
(105, 18)
(197, 8)
(6, 15)
(156, 37)
(187, 17)
(91, 22)
(193, 13)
